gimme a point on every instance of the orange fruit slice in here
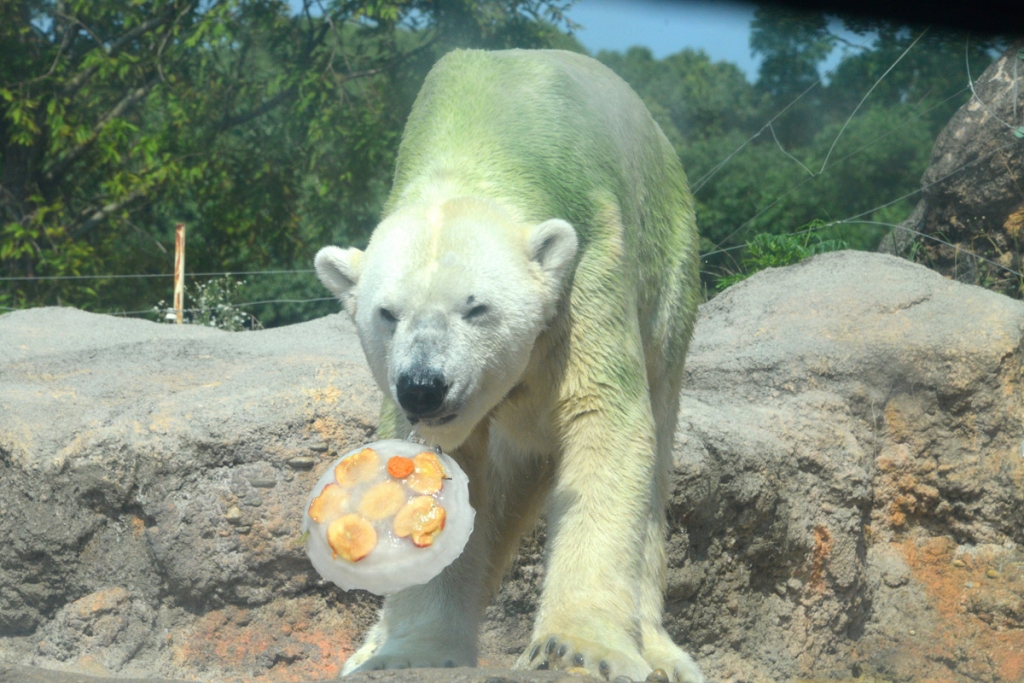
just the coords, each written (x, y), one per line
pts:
(426, 478)
(355, 469)
(383, 500)
(332, 502)
(351, 537)
(422, 519)
(428, 463)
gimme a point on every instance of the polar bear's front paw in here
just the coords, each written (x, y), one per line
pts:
(555, 651)
(393, 655)
(662, 653)
(400, 661)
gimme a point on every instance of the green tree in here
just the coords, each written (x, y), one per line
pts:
(792, 149)
(268, 132)
(792, 45)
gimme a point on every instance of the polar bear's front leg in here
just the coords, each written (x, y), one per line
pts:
(433, 625)
(598, 510)
(600, 503)
(602, 586)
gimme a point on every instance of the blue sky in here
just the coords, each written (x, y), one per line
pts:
(721, 29)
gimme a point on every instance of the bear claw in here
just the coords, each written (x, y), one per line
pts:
(556, 652)
(657, 676)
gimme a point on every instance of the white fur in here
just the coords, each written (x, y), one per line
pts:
(338, 269)
(426, 287)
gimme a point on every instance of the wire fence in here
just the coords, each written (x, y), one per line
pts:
(160, 311)
(120, 276)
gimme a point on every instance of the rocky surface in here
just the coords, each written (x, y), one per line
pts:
(26, 674)
(848, 498)
(972, 196)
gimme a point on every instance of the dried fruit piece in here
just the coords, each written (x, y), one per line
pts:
(351, 537)
(422, 539)
(363, 466)
(422, 519)
(331, 502)
(428, 463)
(428, 474)
(383, 500)
(400, 468)
(424, 484)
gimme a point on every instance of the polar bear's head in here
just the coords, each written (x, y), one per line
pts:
(448, 301)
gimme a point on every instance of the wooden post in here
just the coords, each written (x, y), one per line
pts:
(179, 271)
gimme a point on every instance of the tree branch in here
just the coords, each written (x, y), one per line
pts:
(277, 100)
(73, 85)
(64, 43)
(101, 214)
(120, 108)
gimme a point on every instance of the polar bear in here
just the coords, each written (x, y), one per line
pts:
(526, 303)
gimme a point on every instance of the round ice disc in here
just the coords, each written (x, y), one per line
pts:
(368, 493)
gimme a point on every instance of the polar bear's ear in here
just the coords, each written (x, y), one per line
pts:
(552, 245)
(339, 270)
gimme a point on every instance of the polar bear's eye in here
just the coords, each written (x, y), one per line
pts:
(476, 312)
(388, 315)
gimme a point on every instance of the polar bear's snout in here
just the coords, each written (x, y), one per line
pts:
(421, 394)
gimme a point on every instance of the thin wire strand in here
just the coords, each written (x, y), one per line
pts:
(970, 82)
(782, 149)
(867, 95)
(849, 221)
(824, 164)
(1016, 63)
(241, 305)
(718, 247)
(711, 174)
(286, 301)
(936, 181)
(156, 309)
(150, 275)
(703, 180)
(853, 220)
(863, 213)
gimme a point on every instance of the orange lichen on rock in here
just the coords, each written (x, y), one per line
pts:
(332, 502)
(428, 474)
(383, 500)
(971, 608)
(314, 640)
(363, 466)
(823, 545)
(351, 537)
(400, 468)
(422, 519)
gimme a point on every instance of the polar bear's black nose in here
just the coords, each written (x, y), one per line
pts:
(421, 395)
